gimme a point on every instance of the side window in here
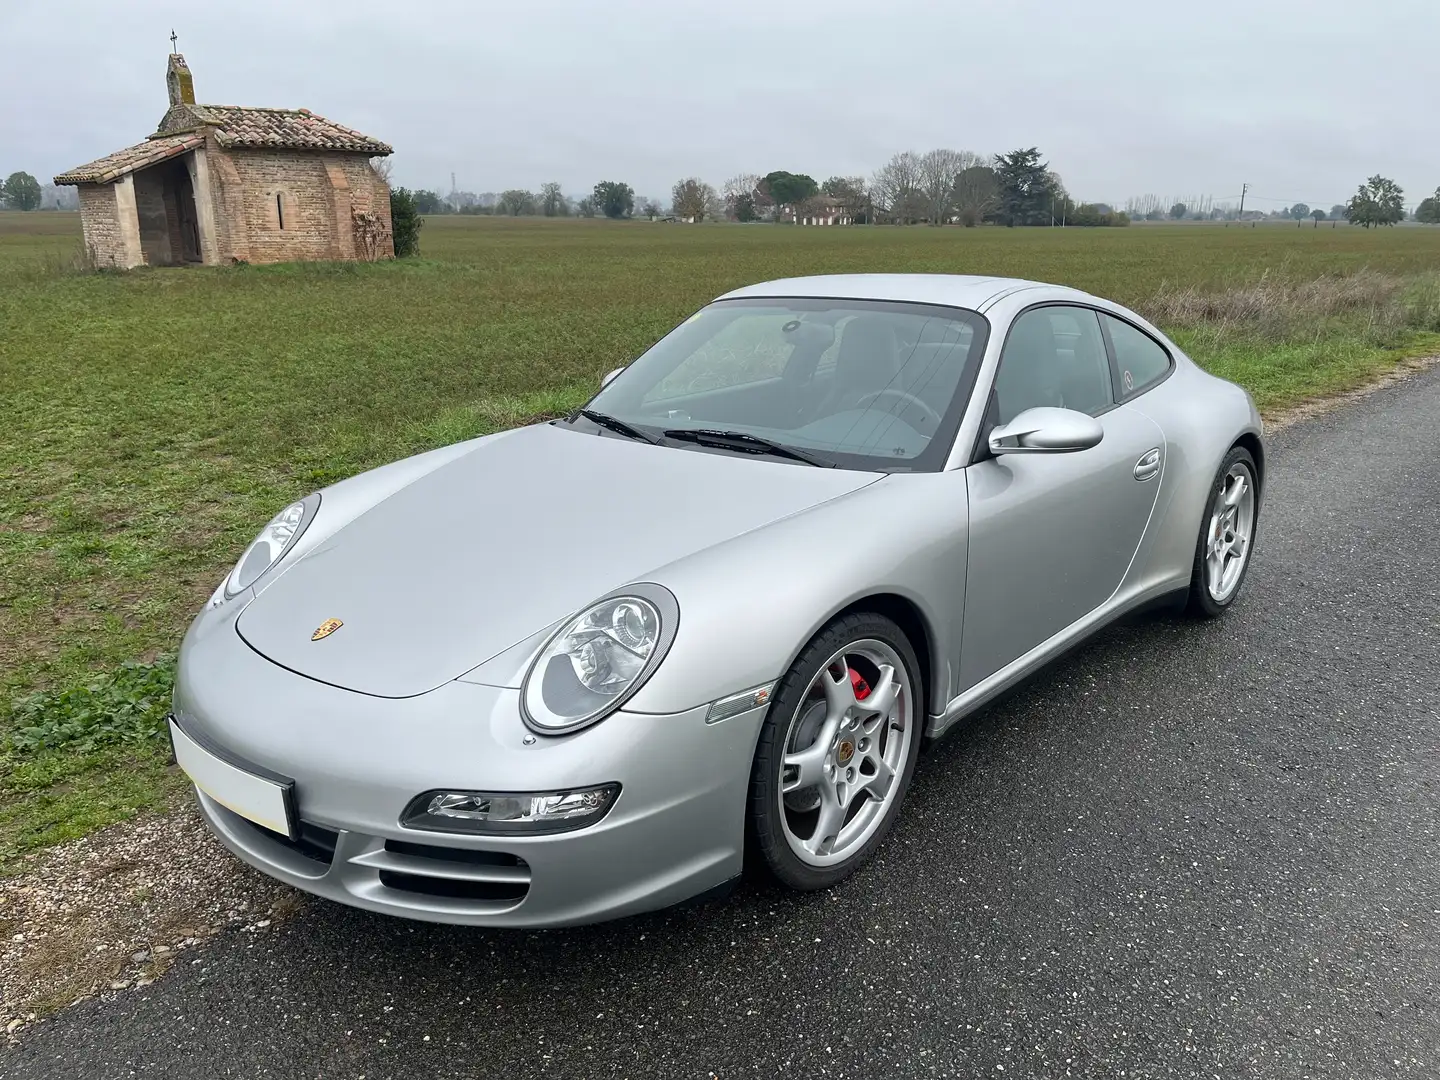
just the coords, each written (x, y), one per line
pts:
(1054, 356)
(1140, 362)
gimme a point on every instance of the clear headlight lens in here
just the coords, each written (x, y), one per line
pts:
(533, 813)
(271, 545)
(592, 665)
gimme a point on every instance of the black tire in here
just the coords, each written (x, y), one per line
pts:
(767, 846)
(1200, 604)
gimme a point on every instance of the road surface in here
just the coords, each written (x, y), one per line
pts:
(1192, 850)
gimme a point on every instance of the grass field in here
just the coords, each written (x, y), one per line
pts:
(151, 421)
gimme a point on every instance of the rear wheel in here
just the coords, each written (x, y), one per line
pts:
(1227, 536)
(836, 752)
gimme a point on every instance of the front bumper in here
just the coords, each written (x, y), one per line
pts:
(676, 830)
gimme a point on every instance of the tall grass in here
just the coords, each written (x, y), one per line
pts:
(1377, 307)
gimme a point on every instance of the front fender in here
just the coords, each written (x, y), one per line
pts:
(750, 605)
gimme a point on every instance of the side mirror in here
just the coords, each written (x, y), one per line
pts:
(1046, 430)
(605, 381)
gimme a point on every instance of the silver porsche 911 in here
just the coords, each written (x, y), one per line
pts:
(587, 668)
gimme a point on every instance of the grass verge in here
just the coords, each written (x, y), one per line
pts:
(152, 420)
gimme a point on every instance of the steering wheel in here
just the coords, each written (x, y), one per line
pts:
(909, 399)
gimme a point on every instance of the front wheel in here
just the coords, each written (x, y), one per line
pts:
(1227, 535)
(836, 752)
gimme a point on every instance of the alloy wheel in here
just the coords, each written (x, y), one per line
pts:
(1230, 533)
(846, 745)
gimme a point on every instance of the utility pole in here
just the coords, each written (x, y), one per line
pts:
(1243, 189)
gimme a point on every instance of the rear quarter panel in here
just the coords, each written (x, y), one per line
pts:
(1202, 417)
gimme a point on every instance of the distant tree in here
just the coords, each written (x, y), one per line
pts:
(428, 202)
(1026, 187)
(895, 188)
(517, 202)
(614, 199)
(1380, 201)
(649, 208)
(977, 193)
(1318, 215)
(22, 192)
(691, 198)
(405, 222)
(586, 206)
(938, 172)
(552, 201)
(1177, 211)
(738, 195)
(1429, 209)
(790, 189)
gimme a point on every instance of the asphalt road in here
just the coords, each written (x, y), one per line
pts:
(1186, 850)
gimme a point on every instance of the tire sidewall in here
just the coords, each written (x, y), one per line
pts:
(1201, 602)
(765, 837)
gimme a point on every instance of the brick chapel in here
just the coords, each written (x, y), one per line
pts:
(223, 184)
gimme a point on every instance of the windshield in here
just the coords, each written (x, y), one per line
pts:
(863, 384)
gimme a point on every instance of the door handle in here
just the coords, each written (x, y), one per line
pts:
(1148, 467)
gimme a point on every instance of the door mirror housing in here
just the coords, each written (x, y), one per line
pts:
(1046, 430)
(605, 379)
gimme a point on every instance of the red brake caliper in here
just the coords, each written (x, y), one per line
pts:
(859, 685)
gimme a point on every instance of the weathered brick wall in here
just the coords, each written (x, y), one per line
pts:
(101, 224)
(318, 193)
(303, 224)
(369, 193)
(227, 196)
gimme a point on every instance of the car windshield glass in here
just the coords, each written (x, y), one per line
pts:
(865, 384)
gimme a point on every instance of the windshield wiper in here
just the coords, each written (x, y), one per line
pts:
(619, 426)
(743, 440)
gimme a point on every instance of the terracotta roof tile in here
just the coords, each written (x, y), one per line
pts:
(141, 156)
(297, 129)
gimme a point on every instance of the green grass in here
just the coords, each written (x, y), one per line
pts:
(151, 421)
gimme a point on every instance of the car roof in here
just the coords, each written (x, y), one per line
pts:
(951, 290)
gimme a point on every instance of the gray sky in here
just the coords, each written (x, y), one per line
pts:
(1302, 98)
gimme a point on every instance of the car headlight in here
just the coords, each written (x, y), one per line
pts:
(599, 659)
(270, 546)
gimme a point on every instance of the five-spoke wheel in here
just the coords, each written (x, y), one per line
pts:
(837, 751)
(1226, 535)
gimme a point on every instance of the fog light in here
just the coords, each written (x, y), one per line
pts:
(500, 813)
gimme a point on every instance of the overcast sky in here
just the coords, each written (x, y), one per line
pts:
(1301, 98)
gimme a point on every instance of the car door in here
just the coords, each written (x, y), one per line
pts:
(1052, 535)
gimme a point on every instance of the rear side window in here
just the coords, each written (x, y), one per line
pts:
(1140, 361)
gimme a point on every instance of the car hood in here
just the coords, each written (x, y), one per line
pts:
(500, 543)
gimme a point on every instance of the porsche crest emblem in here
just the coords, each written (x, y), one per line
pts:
(326, 628)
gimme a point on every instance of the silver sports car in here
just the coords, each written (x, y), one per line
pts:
(590, 667)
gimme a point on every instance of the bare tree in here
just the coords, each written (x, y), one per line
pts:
(938, 172)
(896, 187)
(691, 197)
(382, 167)
(739, 196)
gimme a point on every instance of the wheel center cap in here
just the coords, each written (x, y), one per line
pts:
(845, 751)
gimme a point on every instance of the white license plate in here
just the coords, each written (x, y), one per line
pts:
(256, 798)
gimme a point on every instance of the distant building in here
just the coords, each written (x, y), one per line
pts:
(224, 183)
